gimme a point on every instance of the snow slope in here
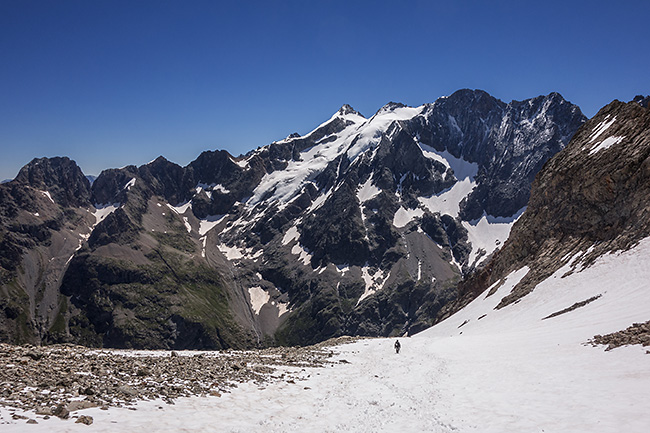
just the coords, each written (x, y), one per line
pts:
(482, 370)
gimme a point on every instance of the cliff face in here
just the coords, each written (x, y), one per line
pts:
(44, 220)
(590, 199)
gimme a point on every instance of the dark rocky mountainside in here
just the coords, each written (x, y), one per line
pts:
(363, 226)
(588, 200)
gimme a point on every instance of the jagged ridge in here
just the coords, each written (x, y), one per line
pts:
(362, 226)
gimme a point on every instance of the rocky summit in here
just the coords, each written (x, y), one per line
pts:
(364, 226)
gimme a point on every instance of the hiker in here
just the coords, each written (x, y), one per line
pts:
(397, 346)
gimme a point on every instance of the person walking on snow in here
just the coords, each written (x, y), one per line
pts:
(397, 346)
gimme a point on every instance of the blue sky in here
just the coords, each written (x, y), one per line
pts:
(112, 83)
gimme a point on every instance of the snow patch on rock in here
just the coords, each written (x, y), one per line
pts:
(303, 255)
(259, 297)
(209, 222)
(103, 210)
(605, 144)
(488, 233)
(404, 216)
(291, 235)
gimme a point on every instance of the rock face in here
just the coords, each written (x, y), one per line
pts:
(363, 226)
(61, 177)
(588, 200)
(43, 221)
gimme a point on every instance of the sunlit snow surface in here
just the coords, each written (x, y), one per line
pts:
(404, 216)
(605, 144)
(600, 128)
(259, 297)
(48, 195)
(359, 135)
(448, 201)
(487, 234)
(207, 224)
(104, 210)
(509, 371)
(284, 184)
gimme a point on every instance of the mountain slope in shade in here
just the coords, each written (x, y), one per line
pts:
(363, 226)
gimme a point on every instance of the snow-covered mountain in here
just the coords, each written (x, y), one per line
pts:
(363, 226)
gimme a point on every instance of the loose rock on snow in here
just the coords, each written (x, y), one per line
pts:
(61, 379)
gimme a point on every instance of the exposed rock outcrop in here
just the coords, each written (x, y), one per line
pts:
(590, 199)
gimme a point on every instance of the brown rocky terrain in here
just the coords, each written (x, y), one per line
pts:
(58, 380)
(639, 333)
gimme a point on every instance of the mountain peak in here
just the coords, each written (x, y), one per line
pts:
(59, 175)
(643, 101)
(347, 109)
(391, 106)
(160, 160)
(470, 94)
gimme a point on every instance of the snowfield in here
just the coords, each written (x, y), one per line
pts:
(482, 370)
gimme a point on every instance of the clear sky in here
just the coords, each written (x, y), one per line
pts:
(111, 83)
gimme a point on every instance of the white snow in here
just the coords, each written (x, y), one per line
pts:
(462, 169)
(220, 188)
(243, 163)
(600, 128)
(371, 131)
(291, 235)
(283, 308)
(605, 144)
(103, 210)
(209, 188)
(181, 208)
(505, 370)
(259, 297)
(209, 222)
(129, 184)
(404, 216)
(448, 201)
(303, 255)
(367, 191)
(47, 194)
(374, 282)
(231, 253)
(320, 200)
(488, 233)
(283, 185)
(342, 268)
